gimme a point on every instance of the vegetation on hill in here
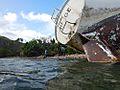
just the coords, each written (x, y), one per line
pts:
(35, 47)
(9, 47)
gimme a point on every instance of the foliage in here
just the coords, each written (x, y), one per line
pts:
(70, 50)
(32, 48)
(9, 47)
(35, 47)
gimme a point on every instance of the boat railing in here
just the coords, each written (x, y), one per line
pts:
(55, 15)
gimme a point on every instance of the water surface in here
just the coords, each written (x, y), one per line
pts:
(53, 74)
(84, 75)
(27, 74)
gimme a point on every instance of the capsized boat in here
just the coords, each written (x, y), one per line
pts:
(92, 26)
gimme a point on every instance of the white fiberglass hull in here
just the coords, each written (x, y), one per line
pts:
(85, 24)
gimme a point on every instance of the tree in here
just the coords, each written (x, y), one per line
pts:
(37, 47)
(20, 40)
(32, 48)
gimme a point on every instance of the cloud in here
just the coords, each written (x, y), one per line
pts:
(36, 17)
(48, 27)
(14, 31)
(30, 34)
(11, 27)
(10, 17)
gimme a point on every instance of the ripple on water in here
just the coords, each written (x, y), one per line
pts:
(87, 76)
(27, 74)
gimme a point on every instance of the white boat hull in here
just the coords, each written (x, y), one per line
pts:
(88, 25)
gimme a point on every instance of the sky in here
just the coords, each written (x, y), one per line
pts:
(27, 19)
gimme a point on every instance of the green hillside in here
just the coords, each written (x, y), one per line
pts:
(9, 47)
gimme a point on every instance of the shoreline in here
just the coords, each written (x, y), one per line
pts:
(72, 56)
(60, 57)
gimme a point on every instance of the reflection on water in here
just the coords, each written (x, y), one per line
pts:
(88, 76)
(33, 74)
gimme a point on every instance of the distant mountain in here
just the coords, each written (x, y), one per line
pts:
(9, 47)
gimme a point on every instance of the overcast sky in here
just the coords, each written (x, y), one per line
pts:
(27, 19)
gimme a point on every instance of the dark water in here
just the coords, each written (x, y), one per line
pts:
(27, 74)
(83, 75)
(49, 74)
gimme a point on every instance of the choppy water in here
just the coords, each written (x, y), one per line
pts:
(49, 74)
(27, 74)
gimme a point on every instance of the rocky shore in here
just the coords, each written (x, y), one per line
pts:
(73, 56)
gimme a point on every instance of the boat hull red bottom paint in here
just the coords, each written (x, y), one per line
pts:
(104, 46)
(96, 52)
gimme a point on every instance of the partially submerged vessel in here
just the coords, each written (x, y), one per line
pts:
(92, 26)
